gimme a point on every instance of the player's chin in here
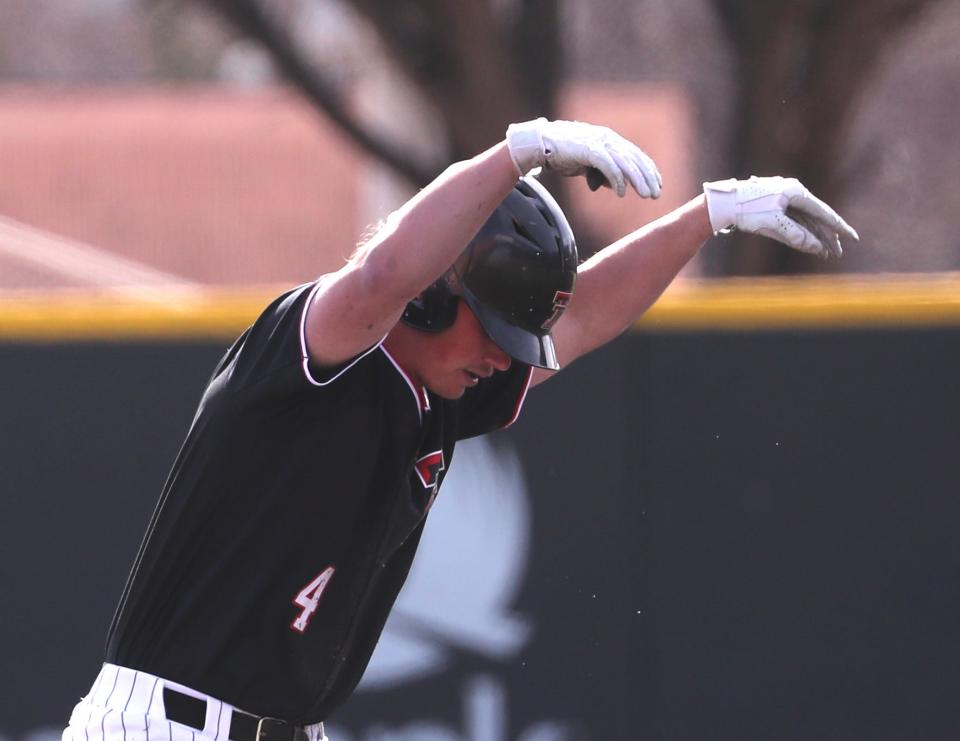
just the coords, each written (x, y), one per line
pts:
(455, 386)
(450, 392)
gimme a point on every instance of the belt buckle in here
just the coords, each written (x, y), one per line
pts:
(260, 728)
(296, 733)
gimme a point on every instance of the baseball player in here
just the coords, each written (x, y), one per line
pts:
(293, 511)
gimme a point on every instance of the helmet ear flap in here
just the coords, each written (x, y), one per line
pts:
(434, 310)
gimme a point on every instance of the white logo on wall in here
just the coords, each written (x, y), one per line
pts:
(467, 571)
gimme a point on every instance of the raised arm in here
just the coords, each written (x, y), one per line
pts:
(354, 307)
(357, 305)
(619, 283)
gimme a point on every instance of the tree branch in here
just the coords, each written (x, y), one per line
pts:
(802, 66)
(249, 18)
(457, 54)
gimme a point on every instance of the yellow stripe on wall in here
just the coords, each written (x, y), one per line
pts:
(808, 302)
(153, 314)
(722, 304)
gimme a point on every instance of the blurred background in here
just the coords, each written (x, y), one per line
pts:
(767, 552)
(237, 142)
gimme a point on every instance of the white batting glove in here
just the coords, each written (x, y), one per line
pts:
(779, 208)
(575, 148)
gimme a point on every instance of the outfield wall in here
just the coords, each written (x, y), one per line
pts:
(735, 522)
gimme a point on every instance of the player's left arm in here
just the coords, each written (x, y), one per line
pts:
(619, 283)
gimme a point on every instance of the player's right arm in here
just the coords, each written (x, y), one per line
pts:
(356, 306)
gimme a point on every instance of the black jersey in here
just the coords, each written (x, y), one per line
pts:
(290, 519)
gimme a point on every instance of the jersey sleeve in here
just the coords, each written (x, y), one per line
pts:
(495, 402)
(273, 349)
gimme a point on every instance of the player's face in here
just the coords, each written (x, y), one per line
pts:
(457, 358)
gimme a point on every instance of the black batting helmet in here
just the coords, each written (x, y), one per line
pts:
(517, 276)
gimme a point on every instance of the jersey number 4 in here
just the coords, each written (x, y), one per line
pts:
(309, 597)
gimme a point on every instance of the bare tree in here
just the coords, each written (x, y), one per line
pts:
(479, 64)
(801, 66)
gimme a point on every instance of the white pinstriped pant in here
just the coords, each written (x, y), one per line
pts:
(127, 705)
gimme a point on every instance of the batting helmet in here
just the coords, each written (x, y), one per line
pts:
(516, 275)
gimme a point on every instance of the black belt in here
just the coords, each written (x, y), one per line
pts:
(192, 711)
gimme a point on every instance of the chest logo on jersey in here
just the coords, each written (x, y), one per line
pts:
(429, 469)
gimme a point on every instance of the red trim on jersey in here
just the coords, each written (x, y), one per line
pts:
(521, 398)
(419, 392)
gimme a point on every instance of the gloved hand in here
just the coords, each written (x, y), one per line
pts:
(575, 148)
(779, 208)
